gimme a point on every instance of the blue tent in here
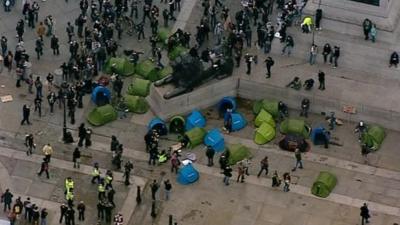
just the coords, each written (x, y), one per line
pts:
(215, 139)
(101, 95)
(158, 125)
(238, 121)
(195, 119)
(319, 135)
(187, 175)
(226, 103)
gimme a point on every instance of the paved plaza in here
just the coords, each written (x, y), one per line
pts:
(209, 201)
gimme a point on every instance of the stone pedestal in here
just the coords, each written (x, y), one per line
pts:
(385, 16)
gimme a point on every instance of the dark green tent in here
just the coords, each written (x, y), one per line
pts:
(122, 66)
(237, 153)
(144, 68)
(296, 127)
(195, 136)
(177, 124)
(270, 106)
(136, 104)
(139, 87)
(163, 35)
(374, 137)
(102, 115)
(177, 51)
(324, 184)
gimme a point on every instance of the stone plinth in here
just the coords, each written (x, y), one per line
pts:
(204, 96)
(385, 16)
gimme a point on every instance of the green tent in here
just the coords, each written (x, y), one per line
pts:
(177, 124)
(102, 115)
(295, 127)
(144, 68)
(139, 87)
(177, 51)
(324, 184)
(163, 35)
(374, 137)
(237, 152)
(265, 133)
(270, 106)
(122, 66)
(264, 117)
(194, 136)
(165, 72)
(136, 104)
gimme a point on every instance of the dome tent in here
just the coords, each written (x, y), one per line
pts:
(324, 184)
(238, 121)
(177, 51)
(265, 133)
(226, 103)
(296, 127)
(215, 139)
(290, 142)
(136, 104)
(269, 106)
(139, 87)
(237, 153)
(101, 95)
(177, 124)
(195, 119)
(121, 66)
(374, 137)
(102, 115)
(264, 117)
(319, 135)
(163, 35)
(194, 137)
(144, 68)
(187, 174)
(158, 125)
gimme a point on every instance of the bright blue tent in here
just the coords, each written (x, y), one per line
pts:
(101, 95)
(195, 119)
(158, 125)
(238, 121)
(215, 139)
(319, 135)
(226, 103)
(187, 175)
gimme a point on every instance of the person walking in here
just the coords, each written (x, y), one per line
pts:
(44, 168)
(263, 166)
(321, 80)
(63, 211)
(299, 162)
(51, 98)
(313, 54)
(29, 143)
(6, 198)
(269, 62)
(332, 121)
(47, 151)
(305, 106)
(373, 32)
(318, 18)
(95, 174)
(26, 111)
(175, 163)
(54, 45)
(43, 216)
(227, 175)
(394, 59)
(364, 213)
(276, 182)
(39, 87)
(154, 188)
(286, 179)
(76, 158)
(41, 30)
(289, 44)
(38, 105)
(81, 211)
(210, 152)
(367, 25)
(364, 153)
(326, 51)
(39, 48)
(334, 57)
(167, 189)
(241, 173)
(4, 46)
(81, 134)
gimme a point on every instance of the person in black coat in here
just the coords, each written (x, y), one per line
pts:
(26, 111)
(54, 44)
(81, 134)
(364, 213)
(210, 152)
